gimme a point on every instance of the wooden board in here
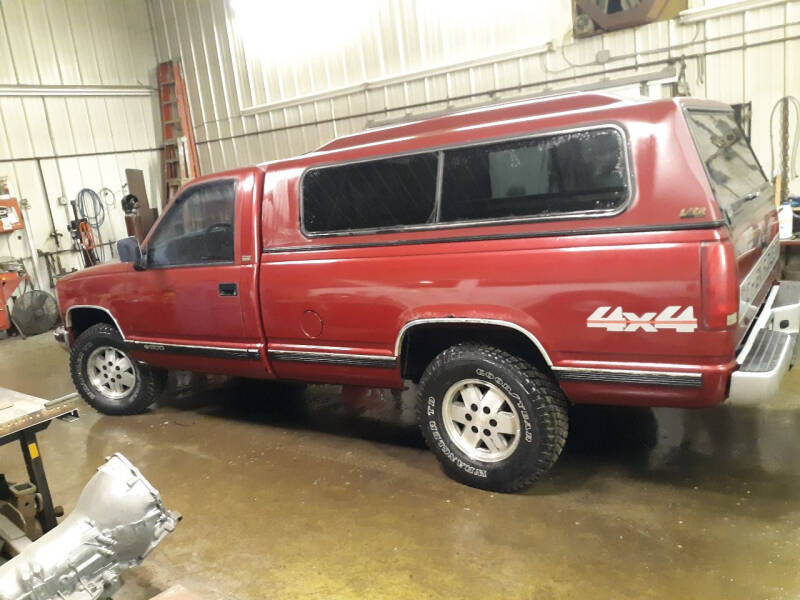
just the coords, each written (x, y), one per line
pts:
(136, 186)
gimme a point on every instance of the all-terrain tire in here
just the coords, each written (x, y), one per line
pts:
(535, 400)
(146, 385)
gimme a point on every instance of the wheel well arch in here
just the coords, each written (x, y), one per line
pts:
(80, 318)
(420, 341)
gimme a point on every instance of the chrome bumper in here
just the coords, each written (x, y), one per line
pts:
(61, 335)
(770, 348)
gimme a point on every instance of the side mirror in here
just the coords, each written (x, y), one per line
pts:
(129, 251)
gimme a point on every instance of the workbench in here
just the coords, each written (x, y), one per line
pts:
(21, 418)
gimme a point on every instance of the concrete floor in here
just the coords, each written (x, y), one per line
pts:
(341, 500)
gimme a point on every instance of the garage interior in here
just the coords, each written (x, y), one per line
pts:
(334, 494)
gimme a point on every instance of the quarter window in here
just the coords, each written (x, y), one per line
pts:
(731, 165)
(568, 173)
(371, 195)
(197, 229)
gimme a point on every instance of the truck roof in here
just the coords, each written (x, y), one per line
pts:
(477, 117)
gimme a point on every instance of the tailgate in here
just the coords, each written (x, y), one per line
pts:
(746, 200)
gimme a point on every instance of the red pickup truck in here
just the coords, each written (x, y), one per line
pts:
(510, 260)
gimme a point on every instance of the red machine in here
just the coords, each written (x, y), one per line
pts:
(510, 259)
(9, 282)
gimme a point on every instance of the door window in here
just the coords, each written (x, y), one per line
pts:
(197, 229)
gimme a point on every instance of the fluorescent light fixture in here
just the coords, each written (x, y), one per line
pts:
(295, 30)
(724, 8)
(79, 90)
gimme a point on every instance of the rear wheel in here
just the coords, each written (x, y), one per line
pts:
(107, 377)
(494, 421)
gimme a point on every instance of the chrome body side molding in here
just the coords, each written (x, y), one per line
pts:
(194, 350)
(398, 345)
(334, 358)
(630, 376)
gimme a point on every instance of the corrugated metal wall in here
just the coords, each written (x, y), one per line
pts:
(269, 80)
(253, 101)
(76, 109)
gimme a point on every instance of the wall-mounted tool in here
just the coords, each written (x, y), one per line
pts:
(110, 200)
(82, 238)
(92, 210)
(786, 115)
(55, 268)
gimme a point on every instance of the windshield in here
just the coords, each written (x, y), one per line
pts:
(729, 160)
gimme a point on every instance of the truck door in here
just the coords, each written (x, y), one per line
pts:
(188, 302)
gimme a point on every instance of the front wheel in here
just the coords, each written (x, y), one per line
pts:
(494, 421)
(107, 377)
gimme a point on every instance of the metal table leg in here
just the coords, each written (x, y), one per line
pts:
(33, 462)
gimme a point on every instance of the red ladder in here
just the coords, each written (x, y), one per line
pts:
(180, 151)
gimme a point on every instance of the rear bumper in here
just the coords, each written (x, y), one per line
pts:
(61, 335)
(769, 350)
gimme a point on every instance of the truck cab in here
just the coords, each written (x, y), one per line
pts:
(509, 260)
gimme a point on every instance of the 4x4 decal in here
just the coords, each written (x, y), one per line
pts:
(620, 320)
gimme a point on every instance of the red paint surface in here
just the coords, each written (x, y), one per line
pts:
(547, 285)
